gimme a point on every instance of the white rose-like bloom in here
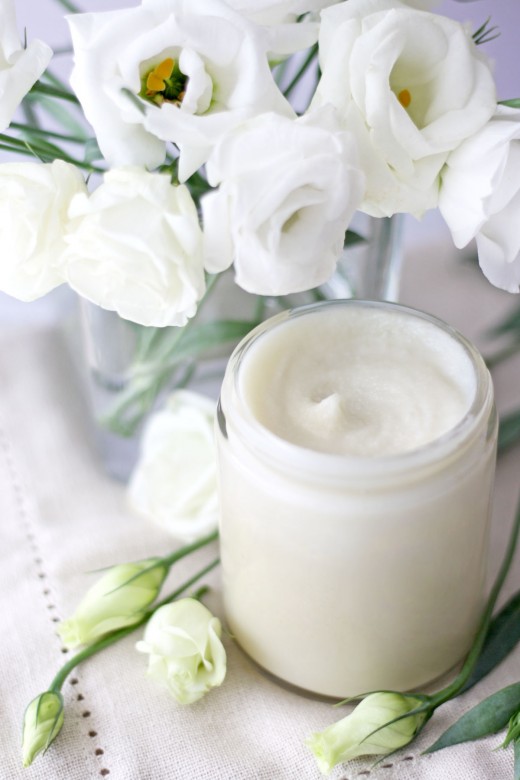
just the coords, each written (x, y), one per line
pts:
(135, 247)
(20, 67)
(412, 86)
(34, 200)
(288, 189)
(175, 480)
(480, 197)
(198, 66)
(183, 642)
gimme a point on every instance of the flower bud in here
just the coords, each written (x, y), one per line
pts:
(364, 732)
(43, 720)
(185, 651)
(117, 600)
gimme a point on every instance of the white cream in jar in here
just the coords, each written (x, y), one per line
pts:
(357, 448)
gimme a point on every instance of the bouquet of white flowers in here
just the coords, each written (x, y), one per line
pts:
(244, 134)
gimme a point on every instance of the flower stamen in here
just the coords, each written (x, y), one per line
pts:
(164, 83)
(405, 98)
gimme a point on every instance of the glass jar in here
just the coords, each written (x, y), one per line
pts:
(349, 573)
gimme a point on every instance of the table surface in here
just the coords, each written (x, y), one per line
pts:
(62, 518)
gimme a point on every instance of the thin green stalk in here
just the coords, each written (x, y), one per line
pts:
(69, 6)
(47, 133)
(111, 639)
(502, 354)
(18, 146)
(169, 560)
(450, 691)
(60, 93)
(301, 70)
(431, 703)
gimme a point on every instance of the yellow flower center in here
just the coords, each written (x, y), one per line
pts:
(164, 83)
(405, 98)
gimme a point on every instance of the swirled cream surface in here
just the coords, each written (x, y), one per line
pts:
(358, 381)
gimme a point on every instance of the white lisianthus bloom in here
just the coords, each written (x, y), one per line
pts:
(193, 68)
(175, 480)
(480, 197)
(20, 67)
(288, 189)
(135, 247)
(182, 640)
(412, 86)
(34, 201)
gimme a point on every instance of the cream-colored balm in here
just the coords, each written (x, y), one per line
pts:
(357, 449)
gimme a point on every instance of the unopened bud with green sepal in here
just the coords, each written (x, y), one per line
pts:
(43, 720)
(370, 729)
(117, 600)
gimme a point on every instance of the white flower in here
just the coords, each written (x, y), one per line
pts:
(480, 197)
(20, 67)
(175, 480)
(183, 642)
(198, 66)
(412, 86)
(34, 200)
(135, 247)
(288, 191)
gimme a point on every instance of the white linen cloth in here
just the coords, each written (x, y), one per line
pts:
(61, 517)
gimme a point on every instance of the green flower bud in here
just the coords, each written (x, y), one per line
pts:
(42, 722)
(364, 733)
(117, 600)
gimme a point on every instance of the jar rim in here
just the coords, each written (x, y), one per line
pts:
(295, 457)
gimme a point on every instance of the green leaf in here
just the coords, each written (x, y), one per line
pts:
(510, 324)
(29, 131)
(56, 92)
(208, 335)
(513, 103)
(488, 717)
(509, 430)
(353, 239)
(502, 637)
(57, 112)
(73, 9)
(486, 33)
(92, 151)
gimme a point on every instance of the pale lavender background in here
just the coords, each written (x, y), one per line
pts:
(45, 19)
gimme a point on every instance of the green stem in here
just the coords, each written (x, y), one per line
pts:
(458, 683)
(450, 691)
(111, 639)
(503, 354)
(152, 370)
(18, 146)
(61, 94)
(169, 560)
(301, 70)
(431, 703)
(47, 133)
(69, 6)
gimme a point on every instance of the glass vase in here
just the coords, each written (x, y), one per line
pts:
(128, 369)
